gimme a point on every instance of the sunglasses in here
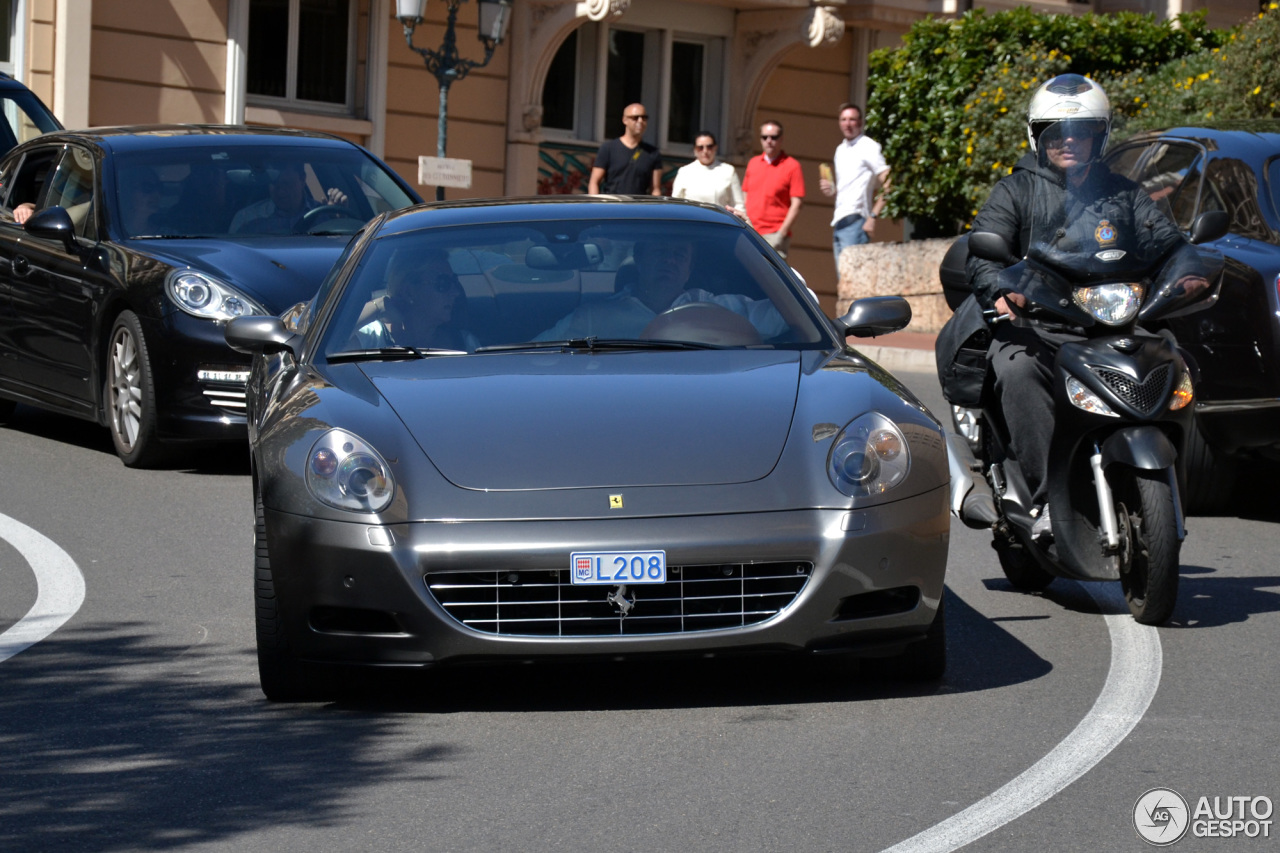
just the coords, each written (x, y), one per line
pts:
(443, 283)
(770, 135)
(637, 118)
(704, 147)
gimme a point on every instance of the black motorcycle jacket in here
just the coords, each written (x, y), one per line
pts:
(1035, 200)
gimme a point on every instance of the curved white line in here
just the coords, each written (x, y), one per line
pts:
(58, 580)
(1131, 684)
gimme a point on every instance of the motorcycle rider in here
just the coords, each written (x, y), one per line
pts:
(1059, 189)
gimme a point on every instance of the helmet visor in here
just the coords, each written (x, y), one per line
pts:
(1051, 133)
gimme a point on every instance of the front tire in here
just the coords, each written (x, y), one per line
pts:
(283, 677)
(129, 395)
(1150, 577)
(1020, 568)
(923, 661)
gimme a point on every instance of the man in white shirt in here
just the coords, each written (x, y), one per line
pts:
(861, 181)
(708, 178)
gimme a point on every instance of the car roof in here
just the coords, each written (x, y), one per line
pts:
(1259, 137)
(547, 208)
(142, 137)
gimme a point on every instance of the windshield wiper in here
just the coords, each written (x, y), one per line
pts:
(390, 354)
(593, 344)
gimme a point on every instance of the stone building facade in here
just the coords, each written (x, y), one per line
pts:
(530, 120)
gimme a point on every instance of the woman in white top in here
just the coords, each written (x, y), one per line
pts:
(709, 178)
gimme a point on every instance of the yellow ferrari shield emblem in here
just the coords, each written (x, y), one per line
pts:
(615, 501)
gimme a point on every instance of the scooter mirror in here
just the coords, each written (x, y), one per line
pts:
(990, 247)
(1209, 226)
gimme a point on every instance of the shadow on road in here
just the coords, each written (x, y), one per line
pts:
(1209, 600)
(109, 746)
(114, 741)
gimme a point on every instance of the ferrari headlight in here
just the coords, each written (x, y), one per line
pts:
(204, 296)
(1183, 393)
(1112, 304)
(1082, 398)
(346, 473)
(869, 457)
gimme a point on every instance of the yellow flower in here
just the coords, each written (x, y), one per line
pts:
(1257, 90)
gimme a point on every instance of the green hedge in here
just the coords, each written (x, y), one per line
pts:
(949, 105)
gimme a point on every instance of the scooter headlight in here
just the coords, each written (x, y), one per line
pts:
(344, 472)
(1112, 304)
(1082, 398)
(869, 457)
(1183, 393)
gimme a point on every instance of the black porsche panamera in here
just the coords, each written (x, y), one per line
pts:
(124, 252)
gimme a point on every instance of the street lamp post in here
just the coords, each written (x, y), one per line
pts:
(445, 63)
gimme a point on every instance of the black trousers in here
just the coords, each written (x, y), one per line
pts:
(1022, 359)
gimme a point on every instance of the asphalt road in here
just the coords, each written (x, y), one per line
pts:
(138, 724)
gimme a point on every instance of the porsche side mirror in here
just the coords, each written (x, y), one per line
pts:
(260, 335)
(876, 315)
(54, 223)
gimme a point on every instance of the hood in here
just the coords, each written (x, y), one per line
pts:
(277, 272)
(509, 421)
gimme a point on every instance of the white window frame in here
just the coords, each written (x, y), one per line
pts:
(17, 44)
(290, 101)
(590, 122)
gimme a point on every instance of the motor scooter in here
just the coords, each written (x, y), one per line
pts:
(1123, 406)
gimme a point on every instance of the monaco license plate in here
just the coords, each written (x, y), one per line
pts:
(614, 567)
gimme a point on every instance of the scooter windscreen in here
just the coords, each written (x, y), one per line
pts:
(1102, 251)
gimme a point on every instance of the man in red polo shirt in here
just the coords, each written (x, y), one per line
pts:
(774, 189)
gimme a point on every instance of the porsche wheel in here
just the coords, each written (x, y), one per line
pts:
(1149, 577)
(283, 677)
(129, 395)
(1211, 476)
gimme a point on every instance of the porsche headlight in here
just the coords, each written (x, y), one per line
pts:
(346, 473)
(869, 457)
(204, 296)
(1082, 398)
(1112, 304)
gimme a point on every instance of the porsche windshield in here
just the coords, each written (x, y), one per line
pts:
(583, 285)
(246, 190)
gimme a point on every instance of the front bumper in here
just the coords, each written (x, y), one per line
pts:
(199, 380)
(874, 582)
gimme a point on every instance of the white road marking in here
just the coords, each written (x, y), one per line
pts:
(1131, 684)
(59, 582)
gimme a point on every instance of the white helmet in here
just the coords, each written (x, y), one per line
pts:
(1065, 103)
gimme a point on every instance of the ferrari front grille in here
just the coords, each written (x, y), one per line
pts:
(1145, 396)
(546, 604)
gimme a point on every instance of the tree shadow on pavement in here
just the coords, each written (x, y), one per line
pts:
(106, 744)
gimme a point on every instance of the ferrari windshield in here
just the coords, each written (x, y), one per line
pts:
(579, 284)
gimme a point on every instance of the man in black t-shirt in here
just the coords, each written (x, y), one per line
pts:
(628, 165)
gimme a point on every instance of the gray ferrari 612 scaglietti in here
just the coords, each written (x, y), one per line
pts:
(540, 428)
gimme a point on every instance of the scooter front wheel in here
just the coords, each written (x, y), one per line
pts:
(1021, 569)
(1149, 577)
